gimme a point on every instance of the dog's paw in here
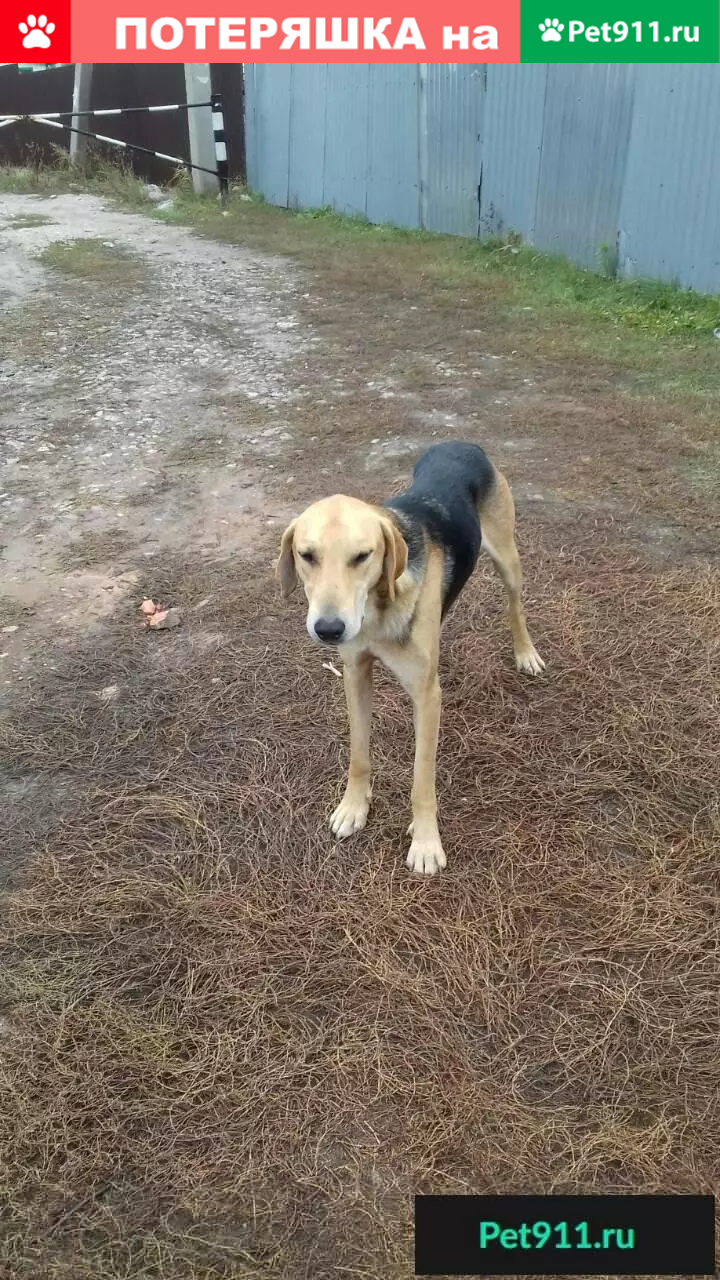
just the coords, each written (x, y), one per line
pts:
(529, 661)
(350, 816)
(426, 856)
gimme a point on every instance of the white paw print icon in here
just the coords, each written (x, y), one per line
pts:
(551, 29)
(37, 31)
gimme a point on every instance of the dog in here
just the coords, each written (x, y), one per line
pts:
(379, 582)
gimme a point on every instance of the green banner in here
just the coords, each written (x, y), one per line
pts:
(620, 31)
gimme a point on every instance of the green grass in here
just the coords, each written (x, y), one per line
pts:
(541, 280)
(89, 258)
(26, 220)
(546, 281)
(645, 305)
(652, 339)
(656, 336)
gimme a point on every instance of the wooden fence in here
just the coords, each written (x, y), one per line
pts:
(129, 84)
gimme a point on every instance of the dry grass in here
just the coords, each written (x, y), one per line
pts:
(235, 1049)
(232, 1048)
(93, 547)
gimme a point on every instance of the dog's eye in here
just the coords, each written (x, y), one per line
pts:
(307, 556)
(361, 557)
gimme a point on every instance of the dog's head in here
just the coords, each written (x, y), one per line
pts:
(341, 550)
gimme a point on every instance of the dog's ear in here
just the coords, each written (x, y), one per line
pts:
(285, 567)
(396, 554)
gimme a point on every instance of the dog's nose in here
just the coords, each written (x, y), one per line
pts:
(330, 630)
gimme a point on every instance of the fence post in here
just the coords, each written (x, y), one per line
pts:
(200, 127)
(81, 102)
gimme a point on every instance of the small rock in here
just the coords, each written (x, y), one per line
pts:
(153, 191)
(148, 607)
(716, 332)
(165, 204)
(7, 631)
(108, 693)
(165, 619)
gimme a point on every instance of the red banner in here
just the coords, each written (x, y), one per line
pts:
(159, 31)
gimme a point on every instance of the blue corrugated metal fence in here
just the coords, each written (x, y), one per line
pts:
(601, 163)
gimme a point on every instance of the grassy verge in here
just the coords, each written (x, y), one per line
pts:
(657, 337)
(647, 344)
(549, 280)
(544, 280)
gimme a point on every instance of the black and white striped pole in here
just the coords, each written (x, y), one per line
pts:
(221, 158)
(115, 142)
(219, 171)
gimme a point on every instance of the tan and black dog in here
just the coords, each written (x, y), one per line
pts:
(379, 582)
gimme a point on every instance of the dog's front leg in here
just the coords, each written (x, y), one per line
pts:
(351, 814)
(426, 855)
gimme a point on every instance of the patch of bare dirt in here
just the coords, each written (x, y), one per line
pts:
(108, 384)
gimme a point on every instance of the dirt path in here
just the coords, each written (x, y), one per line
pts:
(165, 393)
(144, 394)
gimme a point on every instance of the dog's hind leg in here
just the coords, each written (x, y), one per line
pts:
(497, 521)
(351, 814)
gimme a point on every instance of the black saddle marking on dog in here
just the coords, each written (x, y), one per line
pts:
(449, 483)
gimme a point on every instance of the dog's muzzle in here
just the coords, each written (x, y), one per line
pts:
(330, 630)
